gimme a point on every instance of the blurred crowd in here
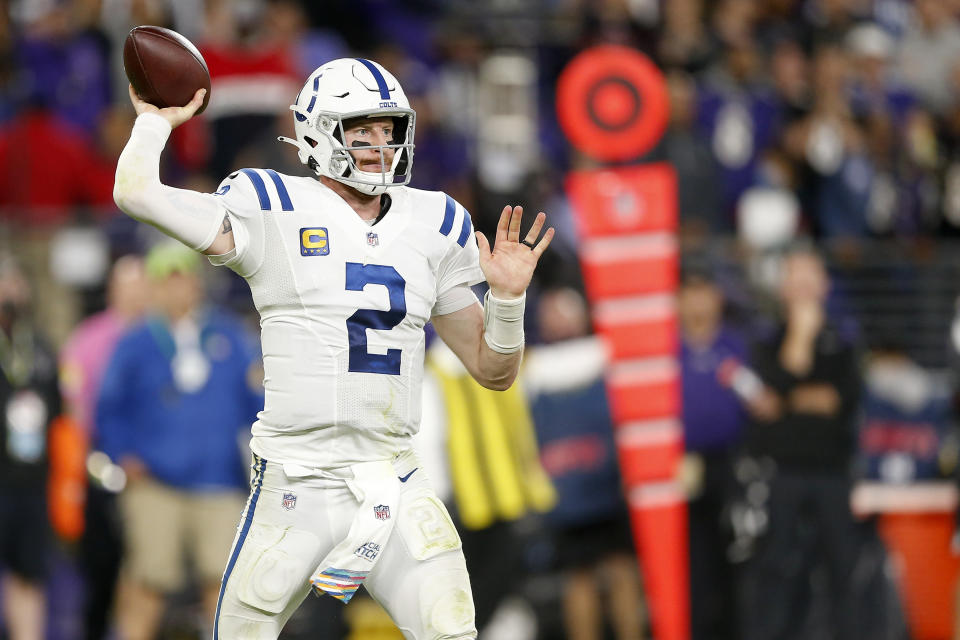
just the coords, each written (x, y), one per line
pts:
(808, 137)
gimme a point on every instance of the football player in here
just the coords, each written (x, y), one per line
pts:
(345, 270)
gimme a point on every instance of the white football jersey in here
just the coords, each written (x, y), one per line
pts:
(342, 309)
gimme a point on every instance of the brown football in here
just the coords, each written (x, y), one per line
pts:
(164, 68)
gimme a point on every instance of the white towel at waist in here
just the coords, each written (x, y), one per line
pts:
(343, 570)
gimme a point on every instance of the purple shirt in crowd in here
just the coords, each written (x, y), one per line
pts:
(713, 417)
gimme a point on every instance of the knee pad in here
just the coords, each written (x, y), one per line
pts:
(244, 628)
(426, 526)
(270, 569)
(446, 606)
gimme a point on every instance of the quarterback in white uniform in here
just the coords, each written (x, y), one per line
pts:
(345, 270)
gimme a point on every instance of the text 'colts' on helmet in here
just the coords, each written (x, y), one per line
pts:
(339, 91)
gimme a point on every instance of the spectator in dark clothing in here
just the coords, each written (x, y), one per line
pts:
(29, 400)
(687, 149)
(575, 433)
(875, 89)
(83, 362)
(684, 40)
(739, 115)
(713, 420)
(831, 146)
(805, 424)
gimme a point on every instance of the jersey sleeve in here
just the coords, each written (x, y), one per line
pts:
(241, 195)
(461, 262)
(452, 300)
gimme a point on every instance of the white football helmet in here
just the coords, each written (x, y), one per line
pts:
(350, 88)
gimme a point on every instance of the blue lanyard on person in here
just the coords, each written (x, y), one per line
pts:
(181, 344)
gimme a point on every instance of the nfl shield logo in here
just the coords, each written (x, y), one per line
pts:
(372, 239)
(289, 500)
(382, 512)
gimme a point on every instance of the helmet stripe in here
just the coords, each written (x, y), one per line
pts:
(313, 98)
(381, 81)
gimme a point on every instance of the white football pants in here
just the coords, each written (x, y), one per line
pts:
(291, 523)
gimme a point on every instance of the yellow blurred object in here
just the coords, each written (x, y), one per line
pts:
(367, 620)
(690, 475)
(494, 461)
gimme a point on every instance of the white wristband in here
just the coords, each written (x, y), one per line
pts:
(503, 323)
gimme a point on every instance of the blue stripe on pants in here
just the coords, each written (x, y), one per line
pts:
(260, 466)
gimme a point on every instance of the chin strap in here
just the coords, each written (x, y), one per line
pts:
(304, 152)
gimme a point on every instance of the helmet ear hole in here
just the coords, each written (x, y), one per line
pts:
(399, 130)
(310, 141)
(402, 163)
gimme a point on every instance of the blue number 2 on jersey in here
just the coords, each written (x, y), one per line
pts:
(358, 277)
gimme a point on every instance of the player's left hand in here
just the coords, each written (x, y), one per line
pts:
(509, 266)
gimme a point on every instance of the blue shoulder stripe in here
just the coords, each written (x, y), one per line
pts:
(260, 187)
(285, 202)
(381, 81)
(465, 229)
(448, 216)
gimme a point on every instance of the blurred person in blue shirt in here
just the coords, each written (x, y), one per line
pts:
(179, 393)
(713, 422)
(589, 523)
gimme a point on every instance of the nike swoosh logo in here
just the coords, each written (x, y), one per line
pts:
(407, 477)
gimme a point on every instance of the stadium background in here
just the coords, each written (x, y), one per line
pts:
(843, 116)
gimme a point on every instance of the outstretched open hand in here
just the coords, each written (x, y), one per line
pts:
(509, 265)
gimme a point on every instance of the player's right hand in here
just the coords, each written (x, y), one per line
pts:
(176, 116)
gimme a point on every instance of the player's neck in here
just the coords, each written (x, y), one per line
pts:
(366, 206)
